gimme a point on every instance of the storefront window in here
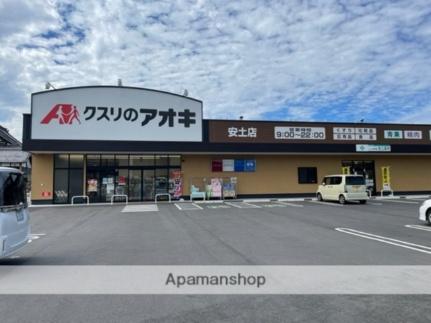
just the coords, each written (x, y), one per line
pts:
(162, 160)
(121, 182)
(107, 160)
(61, 186)
(61, 161)
(307, 175)
(174, 160)
(68, 177)
(161, 181)
(122, 160)
(93, 160)
(141, 160)
(76, 161)
(75, 182)
(139, 177)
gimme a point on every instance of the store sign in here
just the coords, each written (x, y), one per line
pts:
(115, 113)
(376, 148)
(228, 165)
(304, 133)
(386, 178)
(341, 133)
(242, 132)
(250, 165)
(413, 134)
(393, 134)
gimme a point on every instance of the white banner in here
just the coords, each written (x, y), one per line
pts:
(367, 134)
(412, 134)
(393, 134)
(377, 148)
(53, 280)
(115, 113)
(304, 133)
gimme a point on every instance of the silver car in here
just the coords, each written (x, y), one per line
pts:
(14, 217)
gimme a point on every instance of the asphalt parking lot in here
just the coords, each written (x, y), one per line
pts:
(382, 232)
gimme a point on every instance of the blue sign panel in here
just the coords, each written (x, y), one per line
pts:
(250, 165)
(239, 165)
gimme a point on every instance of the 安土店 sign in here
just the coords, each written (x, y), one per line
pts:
(377, 148)
(307, 133)
(115, 113)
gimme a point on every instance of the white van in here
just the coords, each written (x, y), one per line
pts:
(343, 188)
(14, 217)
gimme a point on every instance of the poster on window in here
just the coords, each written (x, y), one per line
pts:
(176, 184)
(121, 180)
(216, 186)
(92, 185)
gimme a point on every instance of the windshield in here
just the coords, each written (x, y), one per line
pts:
(355, 180)
(12, 189)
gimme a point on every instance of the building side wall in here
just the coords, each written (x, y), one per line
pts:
(42, 176)
(279, 174)
(408, 173)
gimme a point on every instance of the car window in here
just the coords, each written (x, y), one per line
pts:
(325, 180)
(355, 180)
(12, 189)
(336, 180)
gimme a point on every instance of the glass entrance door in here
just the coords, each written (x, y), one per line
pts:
(135, 185)
(148, 176)
(364, 168)
(107, 187)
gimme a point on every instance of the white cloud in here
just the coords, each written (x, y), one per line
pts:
(292, 59)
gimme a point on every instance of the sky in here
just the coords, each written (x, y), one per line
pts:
(263, 60)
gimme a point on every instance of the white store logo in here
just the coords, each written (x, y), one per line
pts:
(242, 132)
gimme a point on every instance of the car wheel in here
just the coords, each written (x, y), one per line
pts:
(428, 217)
(363, 201)
(319, 197)
(342, 199)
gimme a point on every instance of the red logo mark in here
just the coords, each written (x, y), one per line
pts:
(64, 113)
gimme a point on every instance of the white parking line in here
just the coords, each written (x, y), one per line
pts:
(373, 203)
(218, 206)
(290, 204)
(402, 202)
(272, 205)
(140, 208)
(186, 206)
(395, 242)
(326, 203)
(198, 206)
(238, 205)
(418, 227)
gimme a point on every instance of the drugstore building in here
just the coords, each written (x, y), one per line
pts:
(101, 141)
